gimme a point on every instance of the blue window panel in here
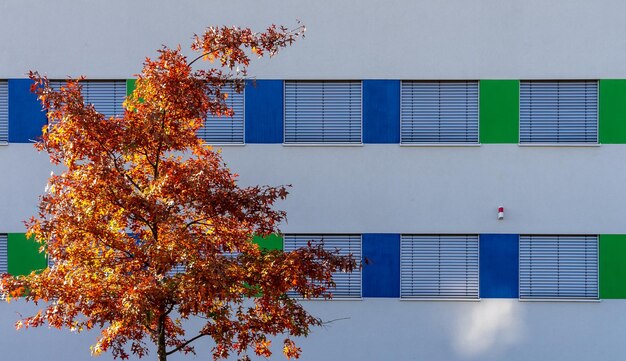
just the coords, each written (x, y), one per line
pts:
(26, 117)
(381, 265)
(381, 111)
(264, 111)
(499, 265)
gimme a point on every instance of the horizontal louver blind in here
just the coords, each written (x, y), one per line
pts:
(226, 130)
(4, 111)
(4, 254)
(558, 112)
(558, 267)
(439, 112)
(433, 266)
(322, 112)
(348, 285)
(107, 96)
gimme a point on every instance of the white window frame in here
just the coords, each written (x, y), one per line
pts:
(110, 98)
(4, 112)
(410, 277)
(559, 143)
(287, 142)
(403, 123)
(4, 253)
(233, 95)
(355, 276)
(546, 276)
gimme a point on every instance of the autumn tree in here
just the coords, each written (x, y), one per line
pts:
(146, 227)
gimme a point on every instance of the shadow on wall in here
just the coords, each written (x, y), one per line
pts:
(491, 329)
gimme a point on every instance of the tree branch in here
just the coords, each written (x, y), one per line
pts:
(184, 344)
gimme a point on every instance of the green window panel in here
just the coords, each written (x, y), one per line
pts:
(612, 113)
(613, 266)
(271, 242)
(130, 86)
(24, 255)
(499, 111)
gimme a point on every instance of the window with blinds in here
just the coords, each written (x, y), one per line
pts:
(558, 112)
(439, 266)
(107, 96)
(558, 267)
(348, 285)
(4, 254)
(4, 112)
(434, 112)
(322, 112)
(226, 130)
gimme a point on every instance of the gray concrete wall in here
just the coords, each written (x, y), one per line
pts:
(386, 329)
(389, 188)
(348, 39)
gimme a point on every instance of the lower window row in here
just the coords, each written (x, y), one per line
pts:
(447, 266)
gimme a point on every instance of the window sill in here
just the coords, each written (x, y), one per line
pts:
(322, 144)
(226, 145)
(561, 145)
(342, 299)
(581, 300)
(439, 299)
(439, 145)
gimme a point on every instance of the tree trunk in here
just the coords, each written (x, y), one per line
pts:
(162, 354)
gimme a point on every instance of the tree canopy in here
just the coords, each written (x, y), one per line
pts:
(146, 227)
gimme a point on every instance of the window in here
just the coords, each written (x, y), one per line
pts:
(435, 266)
(4, 112)
(4, 256)
(348, 285)
(558, 112)
(107, 96)
(437, 112)
(226, 130)
(322, 112)
(558, 267)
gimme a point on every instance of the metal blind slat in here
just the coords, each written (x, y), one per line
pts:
(348, 285)
(107, 96)
(558, 112)
(226, 130)
(4, 111)
(436, 266)
(558, 267)
(4, 256)
(323, 112)
(439, 112)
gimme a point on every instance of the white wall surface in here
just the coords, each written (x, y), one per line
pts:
(348, 39)
(389, 329)
(389, 188)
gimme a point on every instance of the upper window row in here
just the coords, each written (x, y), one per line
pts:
(431, 112)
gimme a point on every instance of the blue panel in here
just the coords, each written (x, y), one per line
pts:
(26, 117)
(381, 266)
(264, 111)
(381, 111)
(499, 265)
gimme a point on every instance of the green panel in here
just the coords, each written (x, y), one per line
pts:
(271, 242)
(612, 112)
(24, 256)
(499, 111)
(613, 266)
(130, 86)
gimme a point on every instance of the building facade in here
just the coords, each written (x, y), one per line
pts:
(403, 127)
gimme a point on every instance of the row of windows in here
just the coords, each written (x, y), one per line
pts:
(447, 266)
(431, 112)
